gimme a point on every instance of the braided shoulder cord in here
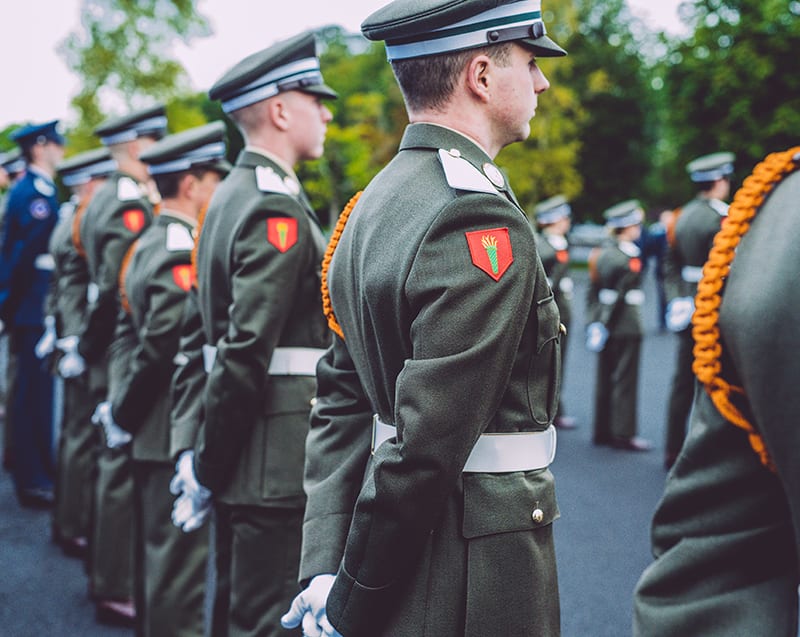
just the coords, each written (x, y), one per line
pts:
(201, 217)
(708, 349)
(123, 271)
(327, 307)
(76, 227)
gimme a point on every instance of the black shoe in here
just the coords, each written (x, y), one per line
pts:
(36, 498)
(565, 422)
(632, 444)
(74, 546)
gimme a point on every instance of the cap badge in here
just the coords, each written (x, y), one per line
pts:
(282, 232)
(491, 251)
(494, 174)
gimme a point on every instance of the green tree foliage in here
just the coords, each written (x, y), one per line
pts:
(735, 83)
(609, 75)
(122, 55)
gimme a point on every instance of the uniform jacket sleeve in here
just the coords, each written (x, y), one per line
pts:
(151, 364)
(262, 280)
(337, 451)
(189, 379)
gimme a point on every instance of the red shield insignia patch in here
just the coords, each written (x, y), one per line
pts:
(635, 265)
(562, 256)
(282, 232)
(133, 220)
(182, 274)
(491, 251)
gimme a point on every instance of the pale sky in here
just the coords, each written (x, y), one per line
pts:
(37, 85)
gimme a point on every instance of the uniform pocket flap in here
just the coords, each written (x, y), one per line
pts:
(506, 502)
(289, 395)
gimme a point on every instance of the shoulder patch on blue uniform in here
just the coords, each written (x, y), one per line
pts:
(462, 175)
(269, 181)
(43, 187)
(128, 189)
(179, 238)
(40, 209)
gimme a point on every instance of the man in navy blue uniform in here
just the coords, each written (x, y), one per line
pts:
(25, 270)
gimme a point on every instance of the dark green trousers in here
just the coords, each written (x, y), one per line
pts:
(170, 564)
(616, 390)
(680, 398)
(723, 542)
(75, 463)
(111, 542)
(264, 558)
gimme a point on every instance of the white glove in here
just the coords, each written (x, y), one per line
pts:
(596, 337)
(184, 480)
(116, 436)
(72, 363)
(679, 313)
(190, 511)
(308, 609)
(46, 344)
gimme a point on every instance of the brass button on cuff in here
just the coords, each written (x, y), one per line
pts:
(537, 516)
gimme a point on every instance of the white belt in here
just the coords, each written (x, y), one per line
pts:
(44, 262)
(607, 296)
(494, 453)
(691, 273)
(286, 361)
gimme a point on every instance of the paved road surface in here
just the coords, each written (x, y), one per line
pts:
(606, 498)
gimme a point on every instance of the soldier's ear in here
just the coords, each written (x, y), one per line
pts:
(278, 112)
(478, 77)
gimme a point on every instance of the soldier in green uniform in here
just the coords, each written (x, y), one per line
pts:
(726, 534)
(614, 308)
(554, 218)
(157, 274)
(114, 219)
(258, 277)
(690, 236)
(430, 500)
(66, 306)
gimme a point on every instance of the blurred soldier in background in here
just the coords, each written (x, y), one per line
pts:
(25, 270)
(66, 308)
(614, 308)
(690, 236)
(155, 277)
(554, 218)
(115, 217)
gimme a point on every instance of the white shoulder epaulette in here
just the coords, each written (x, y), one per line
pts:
(179, 238)
(720, 207)
(128, 189)
(557, 241)
(269, 181)
(462, 175)
(43, 187)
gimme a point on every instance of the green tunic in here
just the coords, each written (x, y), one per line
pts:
(615, 298)
(446, 344)
(727, 531)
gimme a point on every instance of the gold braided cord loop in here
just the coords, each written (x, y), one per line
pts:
(327, 307)
(123, 272)
(201, 217)
(708, 349)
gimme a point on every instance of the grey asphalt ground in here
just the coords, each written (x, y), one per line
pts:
(606, 498)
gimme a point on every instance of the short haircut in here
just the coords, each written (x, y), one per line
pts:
(168, 183)
(428, 82)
